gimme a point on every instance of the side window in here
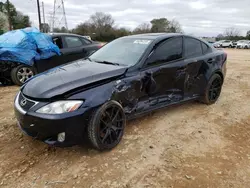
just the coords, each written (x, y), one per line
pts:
(85, 41)
(205, 48)
(73, 42)
(58, 41)
(192, 47)
(170, 50)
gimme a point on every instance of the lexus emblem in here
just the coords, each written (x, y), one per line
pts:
(23, 102)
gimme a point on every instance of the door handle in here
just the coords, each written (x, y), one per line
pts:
(210, 61)
(182, 68)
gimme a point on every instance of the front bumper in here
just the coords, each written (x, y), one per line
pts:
(46, 127)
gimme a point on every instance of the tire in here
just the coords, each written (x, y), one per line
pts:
(213, 88)
(103, 132)
(21, 73)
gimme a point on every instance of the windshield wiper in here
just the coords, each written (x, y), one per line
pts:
(88, 58)
(107, 62)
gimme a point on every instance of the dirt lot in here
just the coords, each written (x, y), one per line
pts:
(191, 145)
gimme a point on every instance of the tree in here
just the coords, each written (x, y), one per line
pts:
(101, 20)
(159, 25)
(60, 30)
(21, 21)
(12, 12)
(18, 20)
(84, 29)
(219, 37)
(248, 35)
(231, 33)
(174, 27)
(3, 23)
(164, 25)
(100, 27)
(142, 28)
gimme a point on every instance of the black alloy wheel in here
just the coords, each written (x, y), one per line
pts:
(106, 126)
(213, 90)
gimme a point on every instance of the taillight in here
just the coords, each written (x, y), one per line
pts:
(225, 57)
(100, 45)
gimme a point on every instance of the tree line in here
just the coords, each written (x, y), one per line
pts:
(102, 27)
(233, 34)
(17, 19)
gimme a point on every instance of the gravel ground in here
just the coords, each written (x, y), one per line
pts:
(191, 145)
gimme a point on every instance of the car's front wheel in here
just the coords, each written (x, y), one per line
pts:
(106, 126)
(213, 90)
(21, 74)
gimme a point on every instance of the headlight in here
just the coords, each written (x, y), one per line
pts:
(60, 107)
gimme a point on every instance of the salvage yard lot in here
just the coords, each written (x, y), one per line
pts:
(190, 145)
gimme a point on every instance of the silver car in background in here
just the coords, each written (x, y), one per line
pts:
(243, 44)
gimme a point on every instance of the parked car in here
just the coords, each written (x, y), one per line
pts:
(218, 44)
(72, 47)
(87, 37)
(227, 44)
(243, 44)
(128, 77)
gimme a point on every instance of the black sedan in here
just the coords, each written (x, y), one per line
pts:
(72, 47)
(129, 77)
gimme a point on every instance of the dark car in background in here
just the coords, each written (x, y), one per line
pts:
(72, 47)
(126, 78)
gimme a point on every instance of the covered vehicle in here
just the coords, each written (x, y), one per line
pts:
(19, 49)
(126, 78)
(24, 53)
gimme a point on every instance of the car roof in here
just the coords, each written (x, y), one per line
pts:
(154, 35)
(64, 34)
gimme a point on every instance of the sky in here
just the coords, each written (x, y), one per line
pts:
(197, 17)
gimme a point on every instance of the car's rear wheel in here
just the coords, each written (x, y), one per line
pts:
(213, 90)
(21, 74)
(106, 126)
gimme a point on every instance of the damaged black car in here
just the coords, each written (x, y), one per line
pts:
(129, 77)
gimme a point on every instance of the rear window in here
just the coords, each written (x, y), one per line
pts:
(73, 42)
(192, 47)
(205, 48)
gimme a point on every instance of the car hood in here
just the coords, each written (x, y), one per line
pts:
(65, 78)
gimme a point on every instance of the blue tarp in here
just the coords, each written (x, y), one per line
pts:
(26, 45)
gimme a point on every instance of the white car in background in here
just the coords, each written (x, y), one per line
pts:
(227, 44)
(218, 43)
(243, 44)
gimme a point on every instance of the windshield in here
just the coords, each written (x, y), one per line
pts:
(123, 51)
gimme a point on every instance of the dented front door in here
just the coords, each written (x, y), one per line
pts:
(164, 73)
(165, 84)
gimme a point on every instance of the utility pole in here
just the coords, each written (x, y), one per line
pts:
(8, 11)
(53, 17)
(43, 28)
(65, 19)
(43, 13)
(39, 14)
